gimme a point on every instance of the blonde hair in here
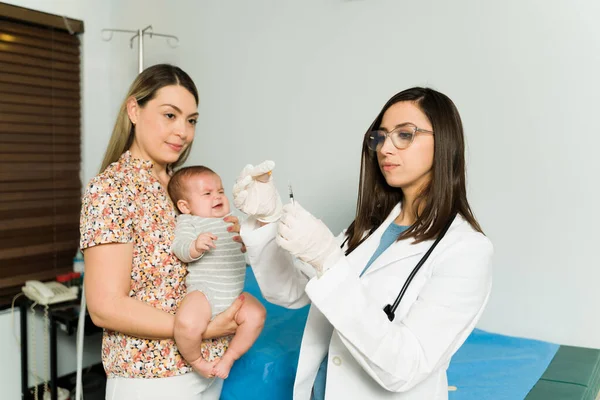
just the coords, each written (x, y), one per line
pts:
(143, 89)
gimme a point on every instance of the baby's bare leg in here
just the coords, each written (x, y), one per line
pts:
(191, 320)
(251, 319)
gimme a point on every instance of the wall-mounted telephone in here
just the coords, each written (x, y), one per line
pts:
(48, 293)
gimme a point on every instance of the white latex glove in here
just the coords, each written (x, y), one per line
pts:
(307, 237)
(254, 192)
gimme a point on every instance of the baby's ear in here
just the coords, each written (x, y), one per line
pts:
(183, 207)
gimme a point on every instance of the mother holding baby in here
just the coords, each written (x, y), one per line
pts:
(133, 282)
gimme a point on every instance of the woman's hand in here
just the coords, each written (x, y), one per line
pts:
(235, 227)
(306, 237)
(224, 323)
(254, 192)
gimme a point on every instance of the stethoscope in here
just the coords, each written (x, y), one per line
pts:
(390, 309)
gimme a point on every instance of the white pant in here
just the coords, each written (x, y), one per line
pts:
(190, 386)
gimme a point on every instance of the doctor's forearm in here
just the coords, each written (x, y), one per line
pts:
(279, 280)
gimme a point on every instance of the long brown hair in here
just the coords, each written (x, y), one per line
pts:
(445, 194)
(143, 89)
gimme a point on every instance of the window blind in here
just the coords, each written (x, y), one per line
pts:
(40, 139)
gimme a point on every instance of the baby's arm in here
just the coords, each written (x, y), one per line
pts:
(187, 245)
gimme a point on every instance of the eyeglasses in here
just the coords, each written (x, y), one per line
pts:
(402, 137)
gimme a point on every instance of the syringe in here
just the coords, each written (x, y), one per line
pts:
(291, 192)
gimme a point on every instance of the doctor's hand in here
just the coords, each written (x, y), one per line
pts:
(254, 192)
(307, 237)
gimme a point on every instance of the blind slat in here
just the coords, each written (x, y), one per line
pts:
(40, 148)
(46, 42)
(39, 195)
(39, 72)
(41, 120)
(39, 101)
(40, 232)
(45, 259)
(38, 53)
(27, 109)
(37, 186)
(40, 157)
(7, 138)
(38, 203)
(35, 32)
(50, 208)
(17, 252)
(38, 222)
(19, 59)
(35, 238)
(24, 176)
(6, 167)
(52, 83)
(38, 91)
(41, 129)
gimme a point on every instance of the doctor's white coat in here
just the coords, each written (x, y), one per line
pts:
(369, 356)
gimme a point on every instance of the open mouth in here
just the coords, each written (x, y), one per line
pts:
(218, 206)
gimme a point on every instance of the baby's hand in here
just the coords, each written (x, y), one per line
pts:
(204, 242)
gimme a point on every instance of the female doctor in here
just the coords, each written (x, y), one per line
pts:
(412, 184)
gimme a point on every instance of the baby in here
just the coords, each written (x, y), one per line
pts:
(216, 273)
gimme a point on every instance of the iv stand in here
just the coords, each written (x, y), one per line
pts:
(172, 40)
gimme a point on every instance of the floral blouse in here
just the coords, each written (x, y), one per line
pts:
(127, 204)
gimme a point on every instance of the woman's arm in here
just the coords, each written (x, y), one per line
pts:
(281, 281)
(399, 355)
(107, 285)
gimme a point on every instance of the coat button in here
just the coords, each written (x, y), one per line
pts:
(337, 361)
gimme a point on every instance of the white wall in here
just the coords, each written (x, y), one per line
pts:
(299, 83)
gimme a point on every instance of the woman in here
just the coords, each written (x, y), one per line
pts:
(412, 184)
(133, 282)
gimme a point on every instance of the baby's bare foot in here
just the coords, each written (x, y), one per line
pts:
(204, 367)
(223, 366)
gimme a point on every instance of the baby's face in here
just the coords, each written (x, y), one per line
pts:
(206, 197)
